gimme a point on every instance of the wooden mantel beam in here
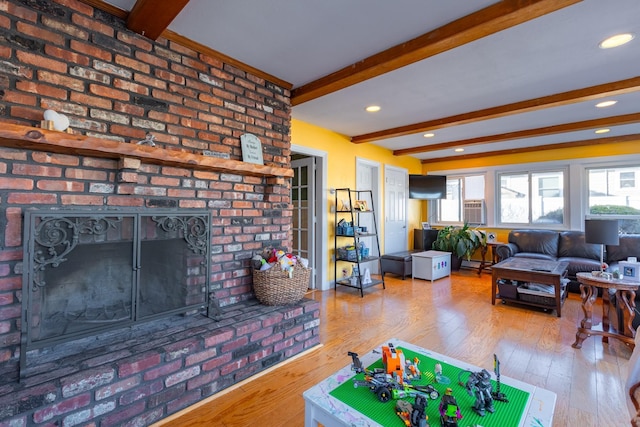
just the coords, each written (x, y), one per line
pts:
(490, 20)
(18, 136)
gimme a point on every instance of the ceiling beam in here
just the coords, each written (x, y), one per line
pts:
(151, 17)
(556, 100)
(527, 133)
(560, 145)
(492, 19)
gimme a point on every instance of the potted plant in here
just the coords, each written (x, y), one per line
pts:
(462, 242)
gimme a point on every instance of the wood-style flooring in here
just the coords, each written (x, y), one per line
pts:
(453, 316)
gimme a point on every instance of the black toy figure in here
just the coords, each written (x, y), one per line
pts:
(449, 410)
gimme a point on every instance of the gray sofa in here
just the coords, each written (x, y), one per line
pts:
(582, 257)
(553, 246)
(568, 246)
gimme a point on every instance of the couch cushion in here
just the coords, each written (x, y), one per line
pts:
(536, 241)
(572, 244)
(400, 256)
(581, 265)
(629, 246)
(534, 255)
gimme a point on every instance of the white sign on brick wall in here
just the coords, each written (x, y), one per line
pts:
(251, 149)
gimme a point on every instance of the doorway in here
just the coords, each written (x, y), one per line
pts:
(309, 236)
(395, 209)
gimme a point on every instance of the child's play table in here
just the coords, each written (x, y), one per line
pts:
(336, 402)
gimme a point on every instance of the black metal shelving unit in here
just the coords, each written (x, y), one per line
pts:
(350, 207)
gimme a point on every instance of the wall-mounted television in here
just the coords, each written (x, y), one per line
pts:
(427, 187)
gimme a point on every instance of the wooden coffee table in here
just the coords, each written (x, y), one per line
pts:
(625, 296)
(532, 271)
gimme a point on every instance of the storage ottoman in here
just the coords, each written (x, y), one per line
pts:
(399, 263)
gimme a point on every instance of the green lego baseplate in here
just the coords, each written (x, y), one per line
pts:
(362, 399)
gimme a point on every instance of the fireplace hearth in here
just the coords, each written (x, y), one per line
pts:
(86, 273)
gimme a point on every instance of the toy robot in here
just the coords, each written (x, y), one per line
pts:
(412, 369)
(449, 410)
(479, 386)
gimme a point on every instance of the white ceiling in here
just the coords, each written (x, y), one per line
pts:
(300, 41)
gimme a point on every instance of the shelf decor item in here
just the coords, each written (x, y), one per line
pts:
(361, 205)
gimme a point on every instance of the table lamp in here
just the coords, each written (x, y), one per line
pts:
(602, 232)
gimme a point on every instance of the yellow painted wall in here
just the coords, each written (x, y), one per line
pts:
(341, 166)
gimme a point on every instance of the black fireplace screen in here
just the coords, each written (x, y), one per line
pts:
(86, 273)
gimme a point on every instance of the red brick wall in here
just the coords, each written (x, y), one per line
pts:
(112, 83)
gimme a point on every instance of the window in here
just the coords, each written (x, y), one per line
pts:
(627, 180)
(532, 198)
(459, 189)
(613, 193)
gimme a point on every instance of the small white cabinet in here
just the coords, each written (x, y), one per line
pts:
(431, 265)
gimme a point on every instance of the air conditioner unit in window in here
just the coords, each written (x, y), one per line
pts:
(474, 212)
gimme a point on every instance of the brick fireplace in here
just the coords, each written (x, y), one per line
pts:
(117, 86)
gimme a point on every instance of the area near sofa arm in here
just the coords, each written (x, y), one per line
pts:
(506, 250)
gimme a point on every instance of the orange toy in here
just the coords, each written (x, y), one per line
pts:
(393, 361)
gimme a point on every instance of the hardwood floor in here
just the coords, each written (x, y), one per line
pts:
(453, 316)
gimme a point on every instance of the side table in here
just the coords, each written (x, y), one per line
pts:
(625, 292)
(493, 257)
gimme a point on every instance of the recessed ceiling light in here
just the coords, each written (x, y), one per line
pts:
(603, 130)
(459, 150)
(373, 108)
(615, 41)
(429, 135)
(605, 104)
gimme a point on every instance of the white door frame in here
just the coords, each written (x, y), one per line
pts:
(320, 228)
(308, 163)
(406, 203)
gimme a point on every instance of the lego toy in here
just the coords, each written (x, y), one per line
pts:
(408, 390)
(413, 415)
(498, 395)
(449, 410)
(356, 364)
(393, 361)
(403, 410)
(440, 379)
(412, 369)
(479, 385)
(388, 385)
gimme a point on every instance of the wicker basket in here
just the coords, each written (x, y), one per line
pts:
(275, 287)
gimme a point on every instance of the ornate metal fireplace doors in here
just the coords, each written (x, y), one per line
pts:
(85, 273)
